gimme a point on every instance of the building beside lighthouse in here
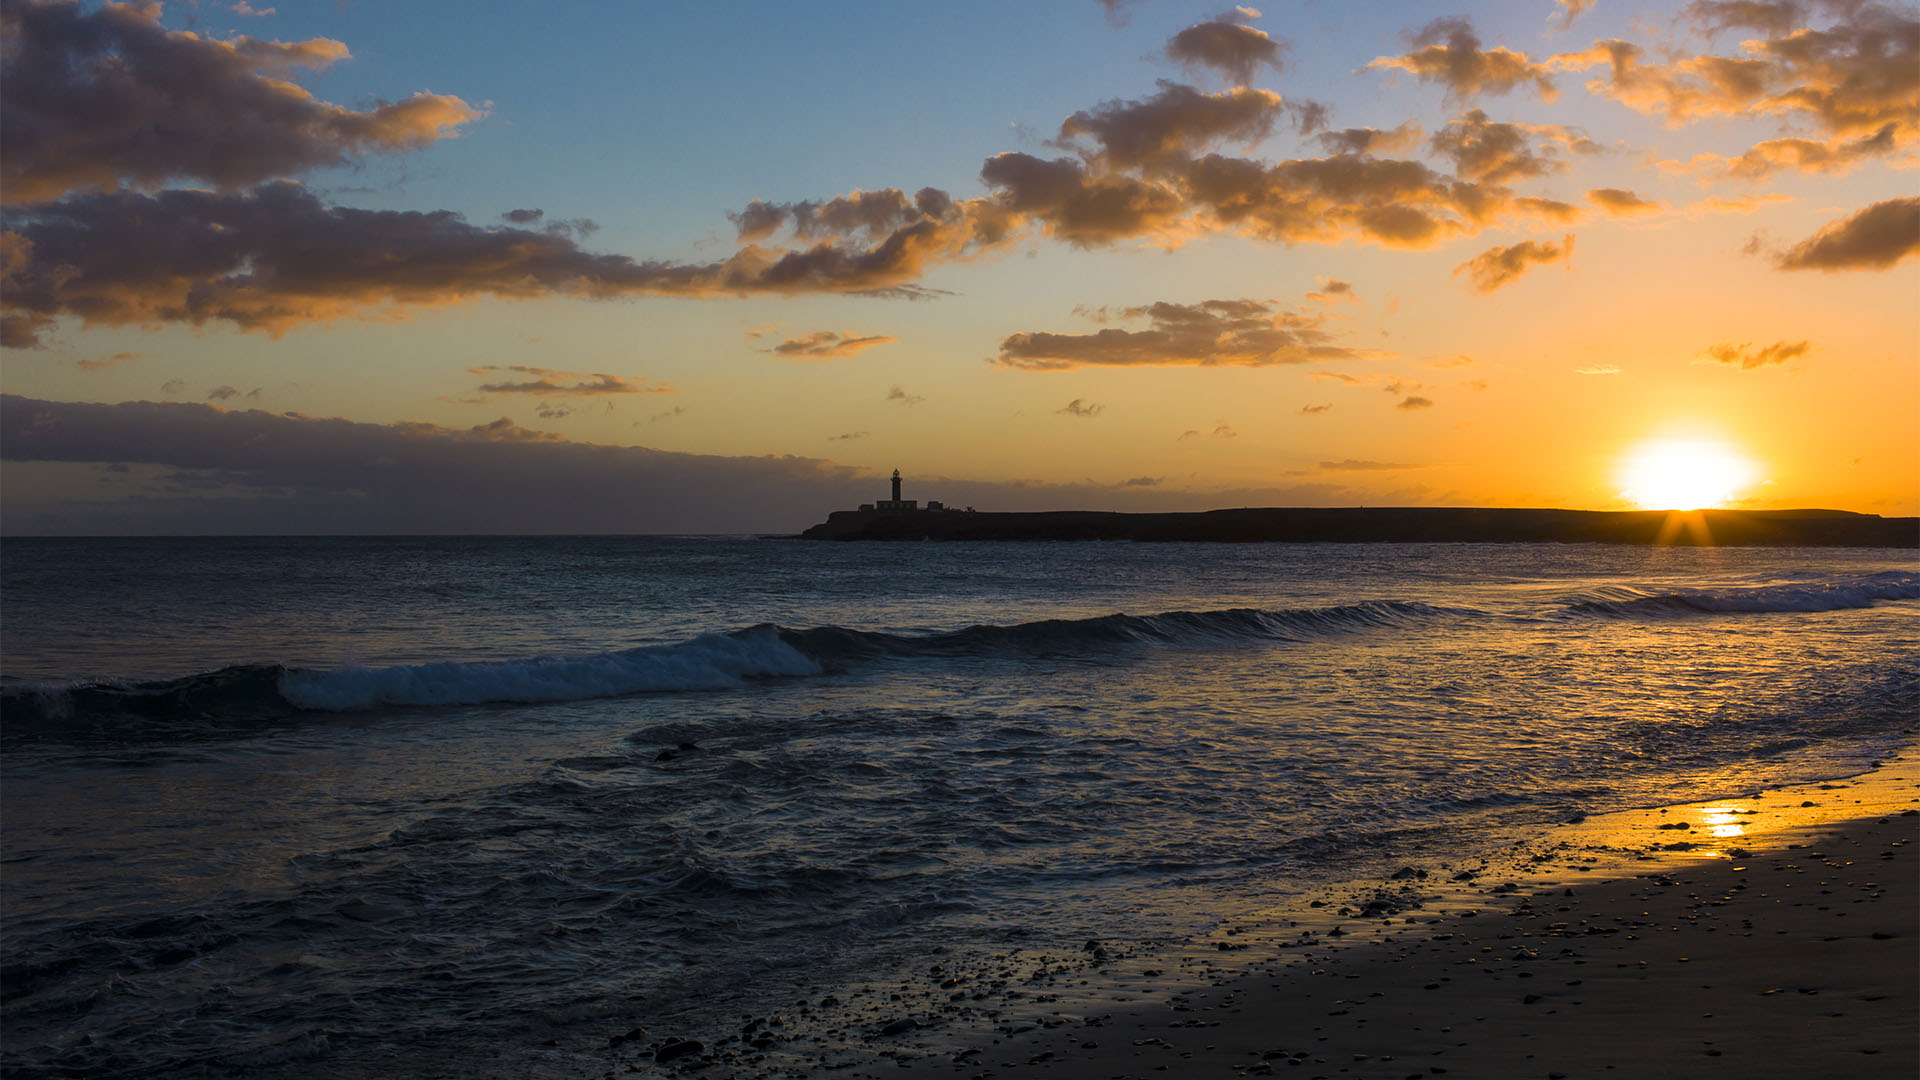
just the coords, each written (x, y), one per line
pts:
(898, 503)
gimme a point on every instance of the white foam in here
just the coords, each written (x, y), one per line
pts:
(709, 662)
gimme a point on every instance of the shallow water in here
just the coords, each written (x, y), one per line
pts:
(324, 800)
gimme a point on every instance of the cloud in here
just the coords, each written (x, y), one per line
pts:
(250, 471)
(172, 386)
(1222, 431)
(222, 393)
(1311, 410)
(1871, 239)
(1455, 361)
(1332, 290)
(1081, 408)
(1448, 52)
(244, 9)
(1175, 123)
(1835, 156)
(904, 398)
(1245, 333)
(1620, 202)
(828, 345)
(549, 411)
(1499, 266)
(677, 410)
(1500, 153)
(1748, 358)
(1571, 10)
(1603, 369)
(523, 217)
(108, 97)
(274, 258)
(1415, 402)
(849, 436)
(1351, 465)
(1373, 141)
(546, 382)
(1740, 204)
(1142, 481)
(1231, 48)
(102, 363)
(1859, 78)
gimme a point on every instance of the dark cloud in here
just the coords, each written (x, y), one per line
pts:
(1871, 239)
(222, 393)
(1142, 481)
(1448, 52)
(1332, 290)
(1231, 48)
(105, 97)
(904, 398)
(1747, 358)
(1372, 141)
(1086, 410)
(275, 257)
(523, 217)
(1175, 123)
(1247, 333)
(1622, 203)
(1310, 410)
(669, 414)
(1078, 207)
(1775, 18)
(257, 472)
(849, 436)
(828, 345)
(1500, 266)
(546, 382)
(1415, 402)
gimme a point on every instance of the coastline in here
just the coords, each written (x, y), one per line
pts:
(1773, 935)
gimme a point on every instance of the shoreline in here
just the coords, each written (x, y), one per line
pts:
(1624, 944)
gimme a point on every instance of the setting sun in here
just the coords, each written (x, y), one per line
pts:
(1684, 474)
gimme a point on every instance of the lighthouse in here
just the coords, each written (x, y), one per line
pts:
(898, 503)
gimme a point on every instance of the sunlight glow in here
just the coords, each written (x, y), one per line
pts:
(1684, 474)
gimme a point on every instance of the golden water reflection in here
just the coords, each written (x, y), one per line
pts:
(1724, 821)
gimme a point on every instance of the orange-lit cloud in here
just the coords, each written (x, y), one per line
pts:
(1175, 123)
(1413, 402)
(1332, 290)
(1571, 10)
(1227, 46)
(1741, 204)
(548, 382)
(1857, 81)
(1499, 266)
(1351, 465)
(1314, 410)
(1620, 202)
(108, 97)
(1247, 333)
(1871, 239)
(828, 345)
(1747, 358)
(1499, 153)
(1448, 52)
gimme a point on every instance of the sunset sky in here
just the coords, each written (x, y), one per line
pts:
(616, 267)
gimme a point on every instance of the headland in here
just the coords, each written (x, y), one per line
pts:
(1782, 528)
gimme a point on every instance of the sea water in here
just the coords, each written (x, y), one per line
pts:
(322, 804)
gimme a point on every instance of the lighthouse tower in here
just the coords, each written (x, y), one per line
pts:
(898, 503)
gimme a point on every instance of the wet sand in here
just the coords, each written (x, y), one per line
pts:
(1772, 935)
(1784, 946)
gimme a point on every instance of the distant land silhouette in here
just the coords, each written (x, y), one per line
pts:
(1740, 528)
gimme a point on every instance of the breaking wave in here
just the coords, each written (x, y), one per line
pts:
(1797, 597)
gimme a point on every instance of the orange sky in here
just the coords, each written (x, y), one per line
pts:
(705, 271)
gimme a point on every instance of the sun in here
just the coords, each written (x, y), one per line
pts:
(1684, 474)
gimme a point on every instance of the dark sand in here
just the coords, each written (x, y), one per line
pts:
(1795, 956)
(1773, 935)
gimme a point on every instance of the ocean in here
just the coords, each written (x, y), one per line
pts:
(496, 806)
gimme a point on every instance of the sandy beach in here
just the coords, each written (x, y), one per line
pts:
(1772, 935)
(1782, 942)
